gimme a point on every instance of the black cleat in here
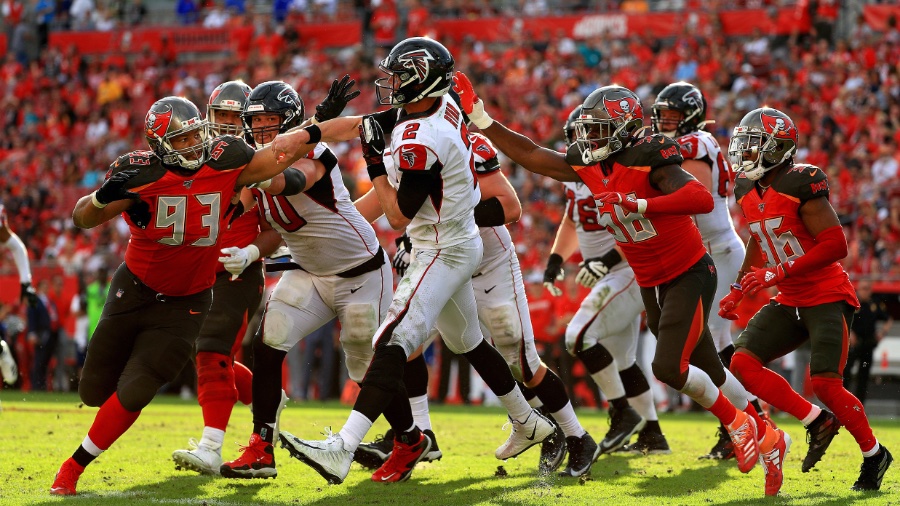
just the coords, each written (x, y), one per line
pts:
(872, 470)
(583, 452)
(553, 451)
(373, 455)
(819, 435)
(649, 443)
(434, 453)
(724, 447)
(622, 425)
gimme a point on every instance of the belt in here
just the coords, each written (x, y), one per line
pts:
(369, 265)
(147, 291)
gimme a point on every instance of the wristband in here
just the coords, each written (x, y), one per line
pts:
(478, 116)
(252, 253)
(555, 260)
(611, 258)
(315, 134)
(375, 170)
(737, 287)
(97, 203)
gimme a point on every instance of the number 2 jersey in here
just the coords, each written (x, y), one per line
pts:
(775, 224)
(177, 253)
(324, 232)
(660, 248)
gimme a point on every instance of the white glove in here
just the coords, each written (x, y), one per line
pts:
(238, 259)
(553, 289)
(592, 271)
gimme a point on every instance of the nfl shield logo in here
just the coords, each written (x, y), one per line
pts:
(120, 293)
(761, 207)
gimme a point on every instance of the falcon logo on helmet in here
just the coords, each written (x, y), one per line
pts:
(287, 96)
(417, 62)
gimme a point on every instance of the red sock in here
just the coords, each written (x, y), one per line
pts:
(111, 422)
(243, 381)
(847, 408)
(216, 392)
(769, 386)
(760, 424)
(723, 409)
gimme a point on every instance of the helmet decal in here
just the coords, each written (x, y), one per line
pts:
(158, 123)
(417, 62)
(779, 126)
(625, 107)
(287, 97)
(693, 98)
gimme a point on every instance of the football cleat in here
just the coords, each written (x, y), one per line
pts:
(773, 461)
(724, 447)
(872, 470)
(583, 452)
(819, 435)
(623, 424)
(257, 460)
(66, 478)
(553, 451)
(328, 457)
(649, 443)
(404, 457)
(746, 447)
(433, 454)
(373, 455)
(535, 429)
(203, 458)
(7, 364)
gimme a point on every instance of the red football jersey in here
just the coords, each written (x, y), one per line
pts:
(177, 254)
(660, 248)
(241, 233)
(774, 221)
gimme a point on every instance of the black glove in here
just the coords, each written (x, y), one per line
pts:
(139, 213)
(372, 138)
(28, 294)
(402, 256)
(113, 189)
(234, 211)
(554, 273)
(336, 100)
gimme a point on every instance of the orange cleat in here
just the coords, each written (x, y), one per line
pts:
(743, 434)
(66, 478)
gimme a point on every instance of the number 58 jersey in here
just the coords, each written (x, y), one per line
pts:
(581, 208)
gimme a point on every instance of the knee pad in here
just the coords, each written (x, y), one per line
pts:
(596, 358)
(215, 378)
(634, 381)
(277, 327)
(294, 288)
(358, 326)
(386, 371)
(505, 331)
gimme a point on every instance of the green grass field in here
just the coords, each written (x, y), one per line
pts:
(39, 431)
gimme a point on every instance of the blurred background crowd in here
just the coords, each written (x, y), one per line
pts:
(66, 115)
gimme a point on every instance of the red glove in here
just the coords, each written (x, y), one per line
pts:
(757, 278)
(629, 203)
(467, 96)
(730, 302)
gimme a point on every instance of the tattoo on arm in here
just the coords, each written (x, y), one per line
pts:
(669, 178)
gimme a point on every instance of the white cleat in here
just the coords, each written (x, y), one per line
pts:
(8, 364)
(201, 458)
(535, 429)
(328, 457)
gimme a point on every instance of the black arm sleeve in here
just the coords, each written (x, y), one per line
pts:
(611, 258)
(294, 181)
(489, 213)
(415, 187)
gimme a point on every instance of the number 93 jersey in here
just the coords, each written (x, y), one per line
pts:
(775, 224)
(437, 140)
(175, 254)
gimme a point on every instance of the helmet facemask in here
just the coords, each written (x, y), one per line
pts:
(191, 157)
(396, 89)
(754, 152)
(598, 138)
(680, 126)
(216, 128)
(258, 133)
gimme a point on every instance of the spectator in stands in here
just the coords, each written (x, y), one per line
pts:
(884, 169)
(865, 335)
(43, 335)
(384, 24)
(217, 17)
(187, 11)
(81, 12)
(44, 11)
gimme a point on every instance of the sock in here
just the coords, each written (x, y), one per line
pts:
(848, 410)
(724, 410)
(212, 438)
(110, 422)
(419, 406)
(811, 417)
(873, 451)
(637, 389)
(767, 442)
(568, 422)
(533, 400)
(494, 370)
(86, 452)
(770, 386)
(620, 403)
(243, 382)
(411, 435)
(643, 404)
(267, 362)
(700, 388)
(415, 377)
(516, 405)
(609, 381)
(754, 401)
(761, 425)
(355, 430)
(736, 393)
(216, 392)
(266, 430)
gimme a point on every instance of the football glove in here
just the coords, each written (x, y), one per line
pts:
(471, 104)
(237, 259)
(372, 139)
(403, 254)
(629, 203)
(757, 278)
(113, 189)
(730, 302)
(554, 273)
(139, 213)
(337, 99)
(28, 295)
(592, 271)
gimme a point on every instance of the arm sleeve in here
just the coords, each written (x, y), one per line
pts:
(489, 213)
(692, 198)
(20, 257)
(294, 181)
(831, 246)
(415, 187)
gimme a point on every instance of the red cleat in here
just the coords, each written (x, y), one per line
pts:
(773, 460)
(66, 478)
(746, 448)
(404, 457)
(257, 460)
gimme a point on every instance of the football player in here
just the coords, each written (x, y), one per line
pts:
(19, 252)
(645, 199)
(159, 297)
(604, 331)
(435, 200)
(797, 242)
(679, 112)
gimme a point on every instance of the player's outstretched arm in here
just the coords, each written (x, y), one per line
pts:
(286, 149)
(109, 201)
(499, 203)
(369, 206)
(566, 242)
(683, 195)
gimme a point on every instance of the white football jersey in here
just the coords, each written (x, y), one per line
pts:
(593, 238)
(497, 240)
(437, 140)
(322, 229)
(702, 146)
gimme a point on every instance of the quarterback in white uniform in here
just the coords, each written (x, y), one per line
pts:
(679, 112)
(435, 202)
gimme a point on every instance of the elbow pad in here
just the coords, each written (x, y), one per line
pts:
(489, 213)
(294, 181)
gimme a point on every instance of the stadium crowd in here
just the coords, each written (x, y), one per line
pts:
(65, 117)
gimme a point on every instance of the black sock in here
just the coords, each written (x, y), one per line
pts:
(492, 368)
(408, 437)
(552, 392)
(267, 363)
(526, 392)
(757, 407)
(620, 403)
(634, 381)
(382, 382)
(82, 456)
(415, 377)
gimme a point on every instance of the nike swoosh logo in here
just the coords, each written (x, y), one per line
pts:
(191, 311)
(354, 290)
(533, 430)
(489, 289)
(388, 477)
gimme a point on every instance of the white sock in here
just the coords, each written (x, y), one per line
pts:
(643, 404)
(212, 438)
(354, 430)
(516, 405)
(568, 422)
(609, 381)
(811, 417)
(700, 387)
(91, 448)
(873, 451)
(535, 402)
(735, 392)
(419, 407)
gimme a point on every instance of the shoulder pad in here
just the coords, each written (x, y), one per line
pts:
(227, 152)
(742, 186)
(691, 147)
(150, 167)
(655, 150)
(804, 182)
